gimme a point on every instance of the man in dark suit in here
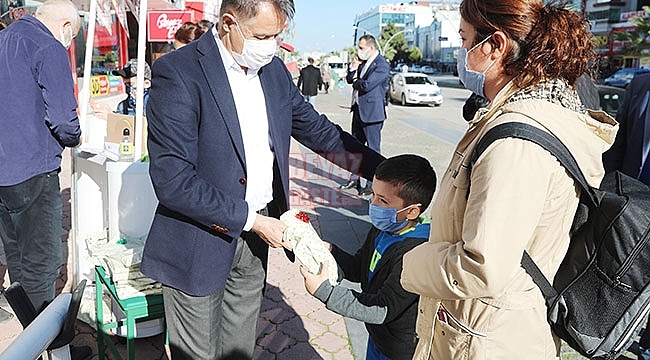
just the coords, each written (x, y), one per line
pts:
(221, 114)
(629, 154)
(309, 81)
(630, 151)
(368, 74)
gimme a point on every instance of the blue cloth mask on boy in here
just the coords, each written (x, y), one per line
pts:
(472, 80)
(385, 219)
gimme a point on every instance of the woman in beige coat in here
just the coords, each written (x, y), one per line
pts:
(477, 302)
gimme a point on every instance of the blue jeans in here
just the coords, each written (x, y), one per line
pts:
(310, 99)
(372, 353)
(30, 228)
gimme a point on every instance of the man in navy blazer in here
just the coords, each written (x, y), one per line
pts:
(368, 74)
(221, 114)
(629, 153)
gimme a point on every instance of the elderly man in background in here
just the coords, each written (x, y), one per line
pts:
(39, 120)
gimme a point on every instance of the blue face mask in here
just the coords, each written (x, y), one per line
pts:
(384, 218)
(472, 80)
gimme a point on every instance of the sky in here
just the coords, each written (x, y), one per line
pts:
(326, 25)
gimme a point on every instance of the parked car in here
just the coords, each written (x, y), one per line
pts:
(623, 77)
(427, 69)
(414, 88)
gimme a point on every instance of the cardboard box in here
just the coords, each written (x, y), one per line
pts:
(115, 125)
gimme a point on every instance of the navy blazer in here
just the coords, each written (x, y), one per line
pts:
(198, 165)
(372, 89)
(627, 151)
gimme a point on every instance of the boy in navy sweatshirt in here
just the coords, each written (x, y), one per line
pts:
(402, 188)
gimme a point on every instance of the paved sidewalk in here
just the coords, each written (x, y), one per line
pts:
(293, 325)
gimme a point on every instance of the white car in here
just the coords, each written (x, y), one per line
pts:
(414, 88)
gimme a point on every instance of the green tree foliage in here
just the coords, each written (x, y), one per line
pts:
(397, 46)
(639, 37)
(415, 56)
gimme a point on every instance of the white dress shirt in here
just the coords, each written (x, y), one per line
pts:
(355, 92)
(254, 124)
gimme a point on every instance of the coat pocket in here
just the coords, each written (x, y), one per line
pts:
(452, 339)
(449, 341)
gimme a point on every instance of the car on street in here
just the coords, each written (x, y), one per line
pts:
(622, 77)
(427, 69)
(413, 88)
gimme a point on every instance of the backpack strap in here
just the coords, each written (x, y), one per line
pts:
(552, 144)
(547, 141)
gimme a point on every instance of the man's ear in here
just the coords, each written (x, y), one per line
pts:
(227, 20)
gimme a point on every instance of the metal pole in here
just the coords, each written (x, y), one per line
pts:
(395, 34)
(139, 127)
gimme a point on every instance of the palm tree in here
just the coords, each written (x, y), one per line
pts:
(639, 37)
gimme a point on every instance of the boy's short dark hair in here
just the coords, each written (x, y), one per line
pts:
(413, 177)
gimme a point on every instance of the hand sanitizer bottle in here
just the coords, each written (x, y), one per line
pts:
(126, 147)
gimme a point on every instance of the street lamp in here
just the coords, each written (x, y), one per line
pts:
(365, 31)
(395, 34)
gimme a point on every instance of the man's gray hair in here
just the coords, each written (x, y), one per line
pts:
(59, 10)
(247, 9)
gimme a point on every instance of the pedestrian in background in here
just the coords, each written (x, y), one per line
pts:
(476, 300)
(39, 120)
(368, 74)
(630, 151)
(205, 25)
(309, 81)
(129, 75)
(402, 189)
(326, 75)
(221, 115)
(187, 33)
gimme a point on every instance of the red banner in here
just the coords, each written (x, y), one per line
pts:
(197, 8)
(162, 25)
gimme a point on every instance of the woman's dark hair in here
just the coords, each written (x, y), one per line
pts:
(548, 41)
(413, 177)
(188, 32)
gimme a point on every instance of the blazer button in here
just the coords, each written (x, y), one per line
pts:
(220, 229)
(242, 181)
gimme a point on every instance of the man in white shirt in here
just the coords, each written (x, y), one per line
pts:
(221, 114)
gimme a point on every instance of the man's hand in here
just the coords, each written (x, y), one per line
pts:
(313, 281)
(354, 65)
(270, 230)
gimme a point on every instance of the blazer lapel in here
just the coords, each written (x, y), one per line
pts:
(217, 80)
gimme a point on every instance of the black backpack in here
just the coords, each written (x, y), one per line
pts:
(600, 296)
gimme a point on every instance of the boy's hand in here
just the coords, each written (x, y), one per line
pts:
(313, 281)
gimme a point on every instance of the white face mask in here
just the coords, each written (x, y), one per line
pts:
(255, 53)
(363, 55)
(64, 42)
(472, 80)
